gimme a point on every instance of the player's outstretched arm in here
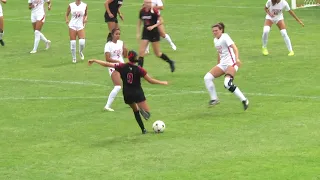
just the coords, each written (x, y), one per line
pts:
(102, 63)
(154, 81)
(295, 17)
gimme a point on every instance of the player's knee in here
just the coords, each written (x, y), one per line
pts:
(228, 84)
(284, 33)
(266, 29)
(208, 77)
(158, 54)
(73, 44)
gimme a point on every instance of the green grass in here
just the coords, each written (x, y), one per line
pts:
(52, 125)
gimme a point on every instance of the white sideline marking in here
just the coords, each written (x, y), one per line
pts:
(170, 92)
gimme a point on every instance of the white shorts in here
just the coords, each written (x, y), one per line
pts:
(76, 27)
(224, 67)
(275, 20)
(1, 13)
(111, 70)
(38, 17)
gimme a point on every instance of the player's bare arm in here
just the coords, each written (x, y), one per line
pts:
(296, 18)
(4, 1)
(139, 28)
(85, 17)
(109, 59)
(31, 6)
(106, 5)
(49, 5)
(159, 22)
(120, 14)
(236, 52)
(154, 81)
(102, 63)
(268, 12)
(67, 14)
(124, 51)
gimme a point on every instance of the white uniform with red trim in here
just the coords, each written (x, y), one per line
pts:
(116, 52)
(157, 3)
(276, 10)
(77, 15)
(37, 12)
(227, 56)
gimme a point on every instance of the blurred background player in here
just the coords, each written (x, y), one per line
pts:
(151, 20)
(38, 17)
(79, 16)
(1, 23)
(114, 51)
(228, 62)
(158, 4)
(110, 16)
(274, 15)
(133, 94)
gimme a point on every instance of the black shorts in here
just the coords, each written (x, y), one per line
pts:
(108, 19)
(133, 96)
(152, 36)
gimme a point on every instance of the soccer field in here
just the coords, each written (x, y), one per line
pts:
(52, 123)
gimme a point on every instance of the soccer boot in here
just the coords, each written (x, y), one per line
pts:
(265, 51)
(245, 104)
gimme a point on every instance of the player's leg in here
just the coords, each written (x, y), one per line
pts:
(282, 27)
(143, 45)
(73, 43)
(215, 72)
(144, 109)
(166, 36)
(82, 41)
(158, 53)
(39, 25)
(137, 116)
(1, 28)
(111, 26)
(116, 79)
(266, 29)
(228, 84)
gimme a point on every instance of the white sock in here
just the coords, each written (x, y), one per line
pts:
(82, 43)
(266, 30)
(239, 94)
(73, 47)
(229, 84)
(36, 39)
(208, 80)
(167, 37)
(42, 37)
(1, 35)
(112, 95)
(148, 47)
(286, 39)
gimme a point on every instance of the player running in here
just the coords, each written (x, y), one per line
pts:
(38, 17)
(110, 16)
(228, 63)
(79, 16)
(1, 23)
(151, 21)
(158, 4)
(274, 15)
(132, 91)
(114, 51)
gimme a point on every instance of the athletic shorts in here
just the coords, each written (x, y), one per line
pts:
(109, 19)
(76, 28)
(38, 17)
(275, 20)
(111, 70)
(152, 36)
(131, 96)
(1, 12)
(224, 67)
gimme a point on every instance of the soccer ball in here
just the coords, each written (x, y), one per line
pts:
(158, 126)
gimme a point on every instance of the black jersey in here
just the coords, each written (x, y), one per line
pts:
(149, 18)
(114, 6)
(130, 75)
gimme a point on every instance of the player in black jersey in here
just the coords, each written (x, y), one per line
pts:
(151, 19)
(110, 16)
(133, 94)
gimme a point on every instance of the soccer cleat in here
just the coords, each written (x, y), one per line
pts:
(265, 51)
(146, 51)
(144, 131)
(74, 60)
(1, 42)
(214, 102)
(108, 109)
(291, 53)
(146, 115)
(172, 66)
(173, 46)
(245, 104)
(33, 52)
(81, 55)
(48, 43)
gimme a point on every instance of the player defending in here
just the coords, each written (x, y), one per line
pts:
(110, 16)
(114, 51)
(132, 91)
(275, 16)
(79, 16)
(1, 23)
(38, 17)
(158, 4)
(228, 62)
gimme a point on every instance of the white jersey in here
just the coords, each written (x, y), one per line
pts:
(38, 6)
(1, 12)
(157, 3)
(77, 14)
(276, 9)
(227, 56)
(115, 50)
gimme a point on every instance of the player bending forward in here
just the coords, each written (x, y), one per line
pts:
(275, 16)
(132, 91)
(228, 62)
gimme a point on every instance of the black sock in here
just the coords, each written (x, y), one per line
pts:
(165, 58)
(139, 120)
(1, 31)
(140, 61)
(109, 38)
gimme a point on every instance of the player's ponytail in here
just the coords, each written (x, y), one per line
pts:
(220, 25)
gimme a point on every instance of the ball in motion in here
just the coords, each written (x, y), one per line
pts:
(158, 126)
